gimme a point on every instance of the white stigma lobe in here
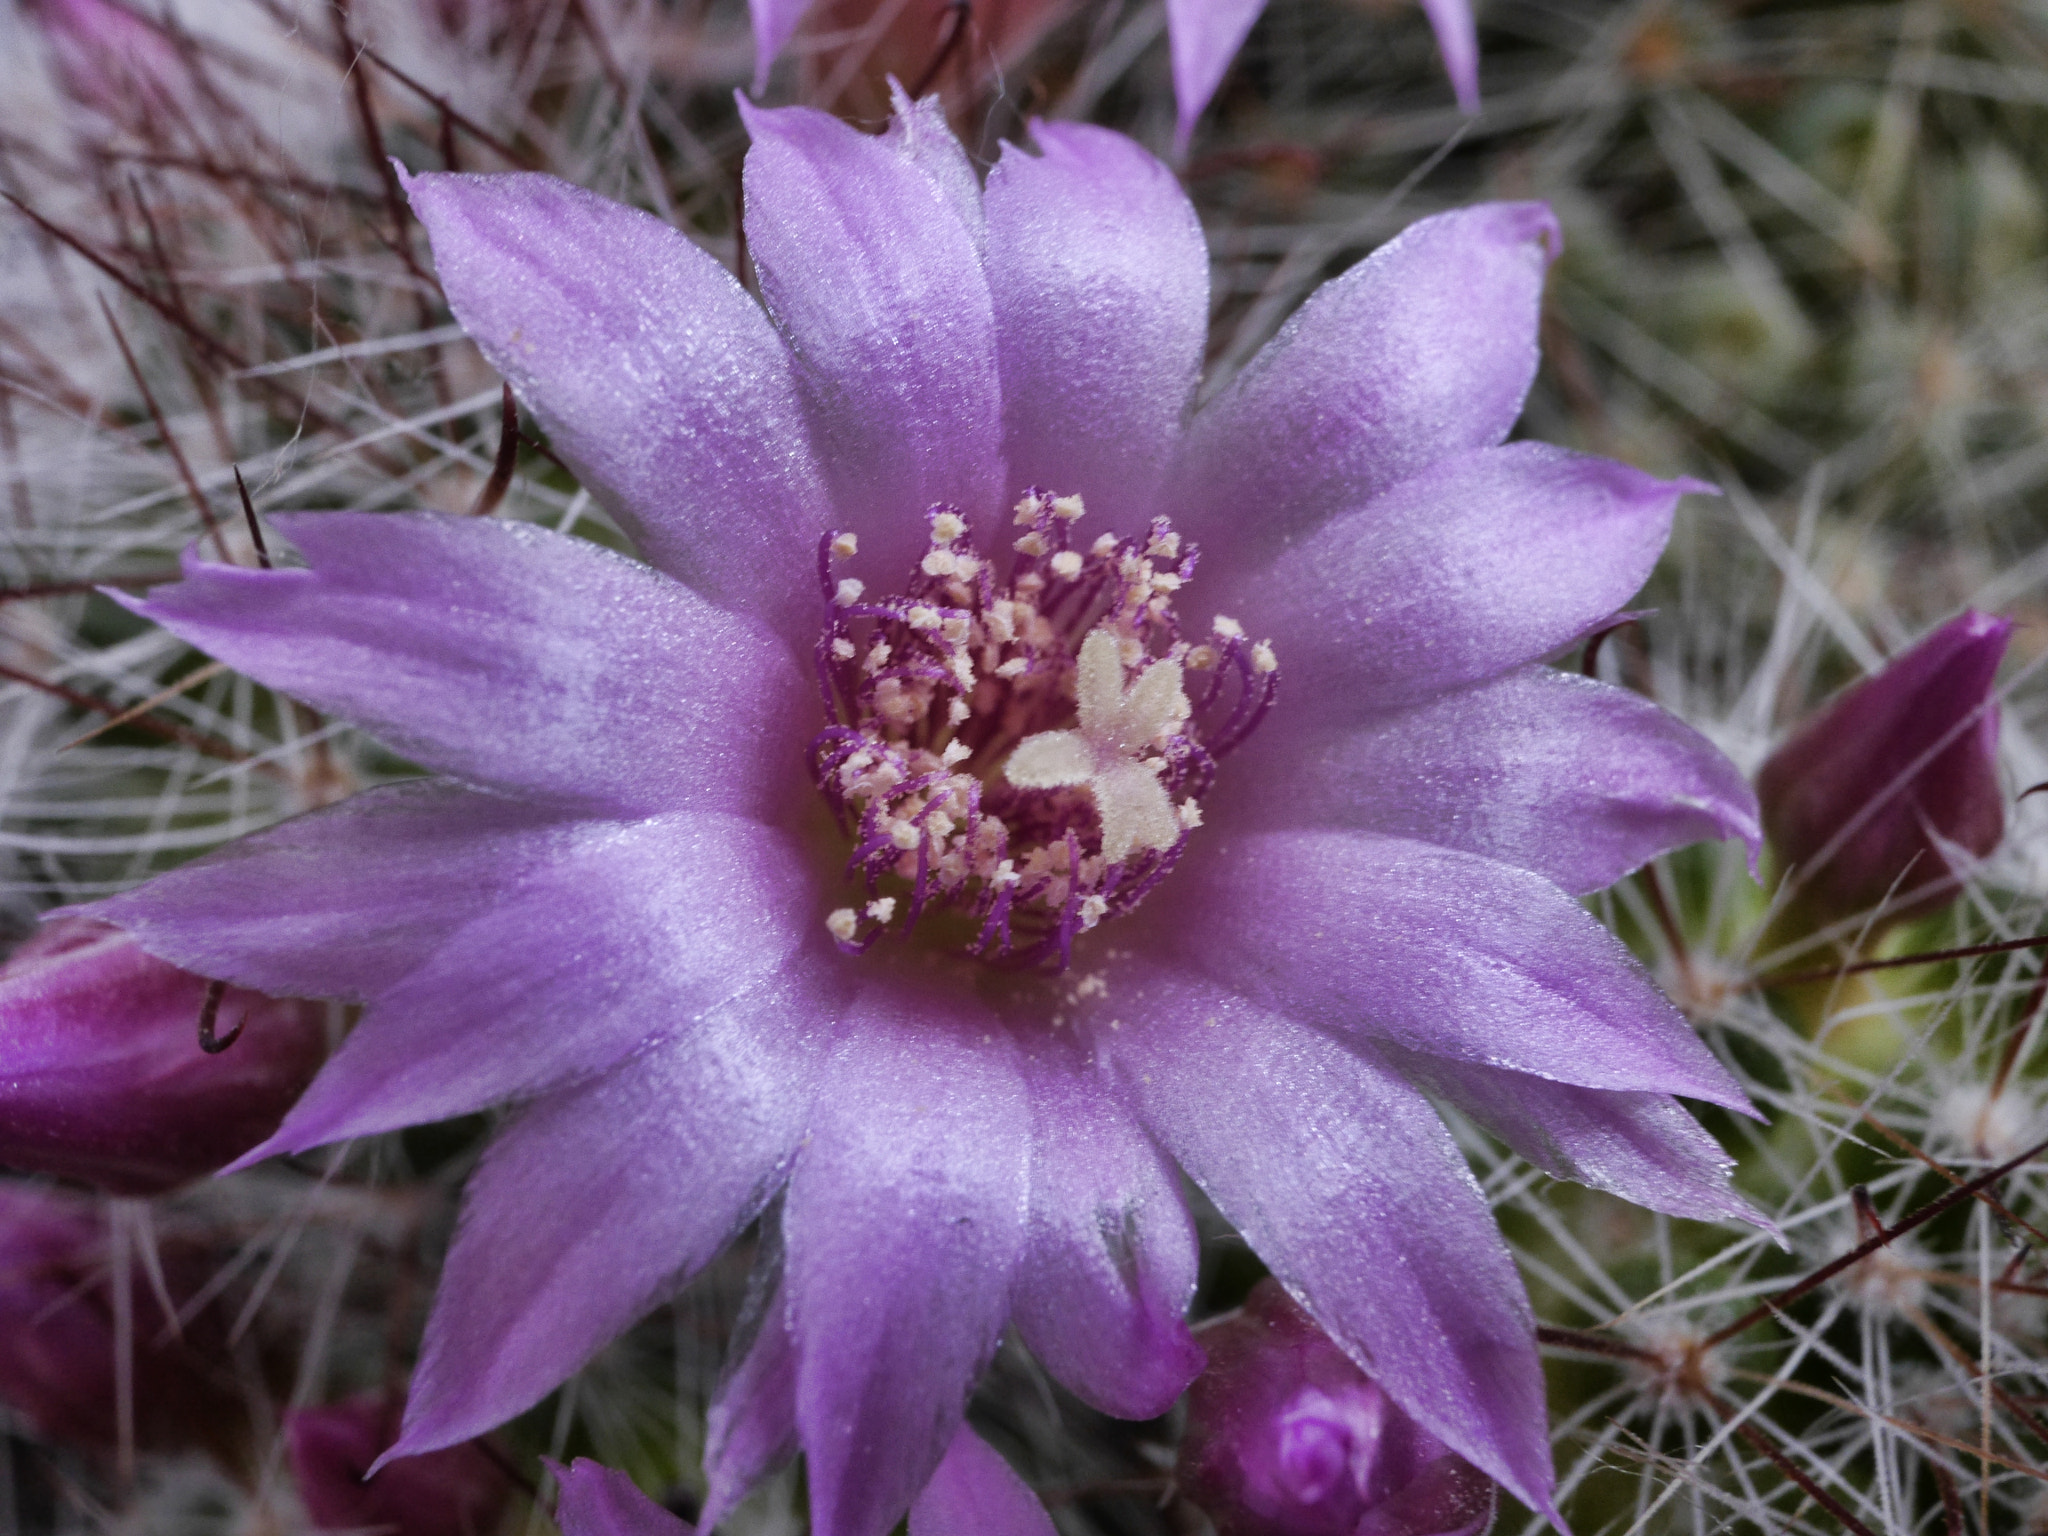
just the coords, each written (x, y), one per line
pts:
(1116, 726)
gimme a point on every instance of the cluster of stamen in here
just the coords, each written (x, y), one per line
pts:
(1028, 747)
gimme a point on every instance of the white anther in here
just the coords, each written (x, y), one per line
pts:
(1027, 510)
(882, 908)
(1068, 508)
(957, 712)
(845, 546)
(1033, 543)
(956, 752)
(1263, 659)
(878, 656)
(905, 835)
(1165, 546)
(850, 589)
(954, 628)
(1103, 547)
(1066, 564)
(1202, 658)
(1014, 667)
(1229, 629)
(922, 617)
(1165, 581)
(947, 527)
(939, 562)
(843, 924)
(1001, 622)
(1190, 814)
(843, 648)
(1005, 875)
(1093, 910)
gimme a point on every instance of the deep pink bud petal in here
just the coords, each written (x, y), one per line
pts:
(596, 1501)
(1889, 789)
(1286, 1437)
(454, 1492)
(101, 1074)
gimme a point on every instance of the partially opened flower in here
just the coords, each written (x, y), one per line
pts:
(1203, 36)
(1287, 1437)
(730, 867)
(102, 1077)
(1882, 797)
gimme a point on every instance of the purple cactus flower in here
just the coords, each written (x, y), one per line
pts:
(1888, 792)
(596, 1501)
(101, 1073)
(1203, 36)
(920, 853)
(458, 1491)
(1287, 1437)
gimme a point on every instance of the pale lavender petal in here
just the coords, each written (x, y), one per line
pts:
(872, 276)
(1643, 1147)
(1433, 950)
(597, 1501)
(1101, 284)
(775, 23)
(511, 657)
(920, 133)
(1203, 37)
(1346, 1183)
(1457, 39)
(1423, 350)
(628, 939)
(751, 1428)
(346, 901)
(598, 1202)
(903, 1223)
(1479, 564)
(1110, 1256)
(1559, 774)
(976, 1493)
(659, 380)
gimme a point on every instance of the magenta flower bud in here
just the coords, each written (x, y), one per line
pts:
(1286, 1437)
(454, 1492)
(1891, 787)
(115, 61)
(58, 1335)
(101, 1074)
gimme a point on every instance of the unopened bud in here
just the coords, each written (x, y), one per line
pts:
(1892, 787)
(101, 1074)
(1287, 1437)
(59, 1346)
(453, 1492)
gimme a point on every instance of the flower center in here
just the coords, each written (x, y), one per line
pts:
(1029, 749)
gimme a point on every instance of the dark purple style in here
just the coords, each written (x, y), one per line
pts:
(102, 1078)
(1884, 795)
(1286, 1437)
(1077, 925)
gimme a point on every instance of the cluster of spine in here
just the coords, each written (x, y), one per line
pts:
(928, 691)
